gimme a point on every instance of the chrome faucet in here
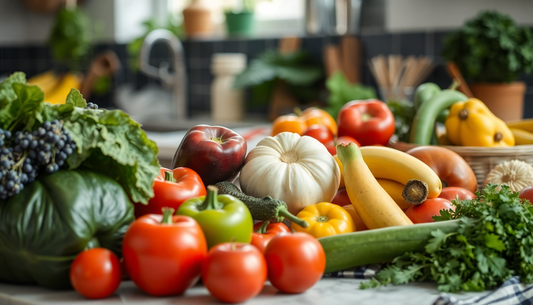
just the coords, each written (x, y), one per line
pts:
(176, 80)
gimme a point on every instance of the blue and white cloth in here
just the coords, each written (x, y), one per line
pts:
(512, 292)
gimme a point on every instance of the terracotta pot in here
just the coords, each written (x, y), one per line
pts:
(506, 101)
(197, 19)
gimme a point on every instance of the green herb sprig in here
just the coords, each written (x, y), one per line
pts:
(493, 243)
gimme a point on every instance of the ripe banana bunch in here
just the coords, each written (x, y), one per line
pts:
(522, 131)
(393, 168)
(56, 88)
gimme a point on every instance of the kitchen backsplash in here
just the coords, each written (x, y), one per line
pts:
(36, 59)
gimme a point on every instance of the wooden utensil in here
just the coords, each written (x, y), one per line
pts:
(104, 64)
(351, 59)
(332, 59)
(454, 72)
(282, 102)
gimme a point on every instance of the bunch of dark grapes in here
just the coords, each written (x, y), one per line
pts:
(91, 105)
(44, 150)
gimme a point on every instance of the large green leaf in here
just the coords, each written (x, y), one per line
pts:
(294, 68)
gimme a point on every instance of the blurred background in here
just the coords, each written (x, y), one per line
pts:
(234, 61)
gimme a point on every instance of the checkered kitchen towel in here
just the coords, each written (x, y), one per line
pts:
(509, 293)
(363, 272)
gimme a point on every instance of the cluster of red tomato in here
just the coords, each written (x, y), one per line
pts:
(166, 254)
(367, 122)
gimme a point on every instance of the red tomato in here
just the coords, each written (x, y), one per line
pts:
(163, 254)
(295, 262)
(341, 198)
(431, 207)
(527, 193)
(172, 194)
(453, 192)
(95, 273)
(332, 145)
(234, 272)
(263, 235)
(370, 122)
(319, 132)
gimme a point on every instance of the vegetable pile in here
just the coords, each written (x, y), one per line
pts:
(68, 175)
(492, 243)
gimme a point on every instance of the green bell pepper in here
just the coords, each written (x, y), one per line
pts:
(223, 218)
(44, 227)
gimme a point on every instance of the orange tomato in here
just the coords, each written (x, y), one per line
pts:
(313, 115)
(288, 123)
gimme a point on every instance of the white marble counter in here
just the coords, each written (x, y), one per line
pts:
(330, 291)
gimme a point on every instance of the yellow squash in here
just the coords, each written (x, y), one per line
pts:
(325, 219)
(375, 206)
(471, 123)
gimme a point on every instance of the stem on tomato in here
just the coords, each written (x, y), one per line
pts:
(210, 202)
(263, 228)
(169, 176)
(284, 213)
(167, 215)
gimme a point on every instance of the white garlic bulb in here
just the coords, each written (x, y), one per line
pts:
(516, 174)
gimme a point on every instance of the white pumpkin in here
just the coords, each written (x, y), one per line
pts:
(297, 170)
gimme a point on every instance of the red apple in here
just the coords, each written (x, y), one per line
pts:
(216, 153)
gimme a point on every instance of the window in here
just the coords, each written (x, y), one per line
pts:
(273, 17)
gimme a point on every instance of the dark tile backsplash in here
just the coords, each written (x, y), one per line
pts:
(36, 59)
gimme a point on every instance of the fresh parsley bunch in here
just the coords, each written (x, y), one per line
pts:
(493, 243)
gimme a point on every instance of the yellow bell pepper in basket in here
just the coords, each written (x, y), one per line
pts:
(471, 123)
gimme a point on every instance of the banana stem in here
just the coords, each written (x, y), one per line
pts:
(415, 191)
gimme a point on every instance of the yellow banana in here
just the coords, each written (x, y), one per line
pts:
(392, 164)
(46, 81)
(60, 93)
(395, 189)
(522, 137)
(375, 206)
(526, 124)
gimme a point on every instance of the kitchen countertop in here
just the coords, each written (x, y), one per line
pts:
(326, 291)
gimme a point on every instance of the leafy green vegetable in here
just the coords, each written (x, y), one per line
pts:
(493, 243)
(71, 37)
(341, 92)
(491, 48)
(404, 113)
(296, 69)
(109, 142)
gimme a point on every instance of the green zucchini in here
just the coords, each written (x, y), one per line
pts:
(266, 208)
(424, 92)
(355, 249)
(425, 117)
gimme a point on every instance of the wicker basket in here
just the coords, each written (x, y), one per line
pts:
(482, 159)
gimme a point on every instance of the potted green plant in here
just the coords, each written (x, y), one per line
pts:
(492, 52)
(240, 19)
